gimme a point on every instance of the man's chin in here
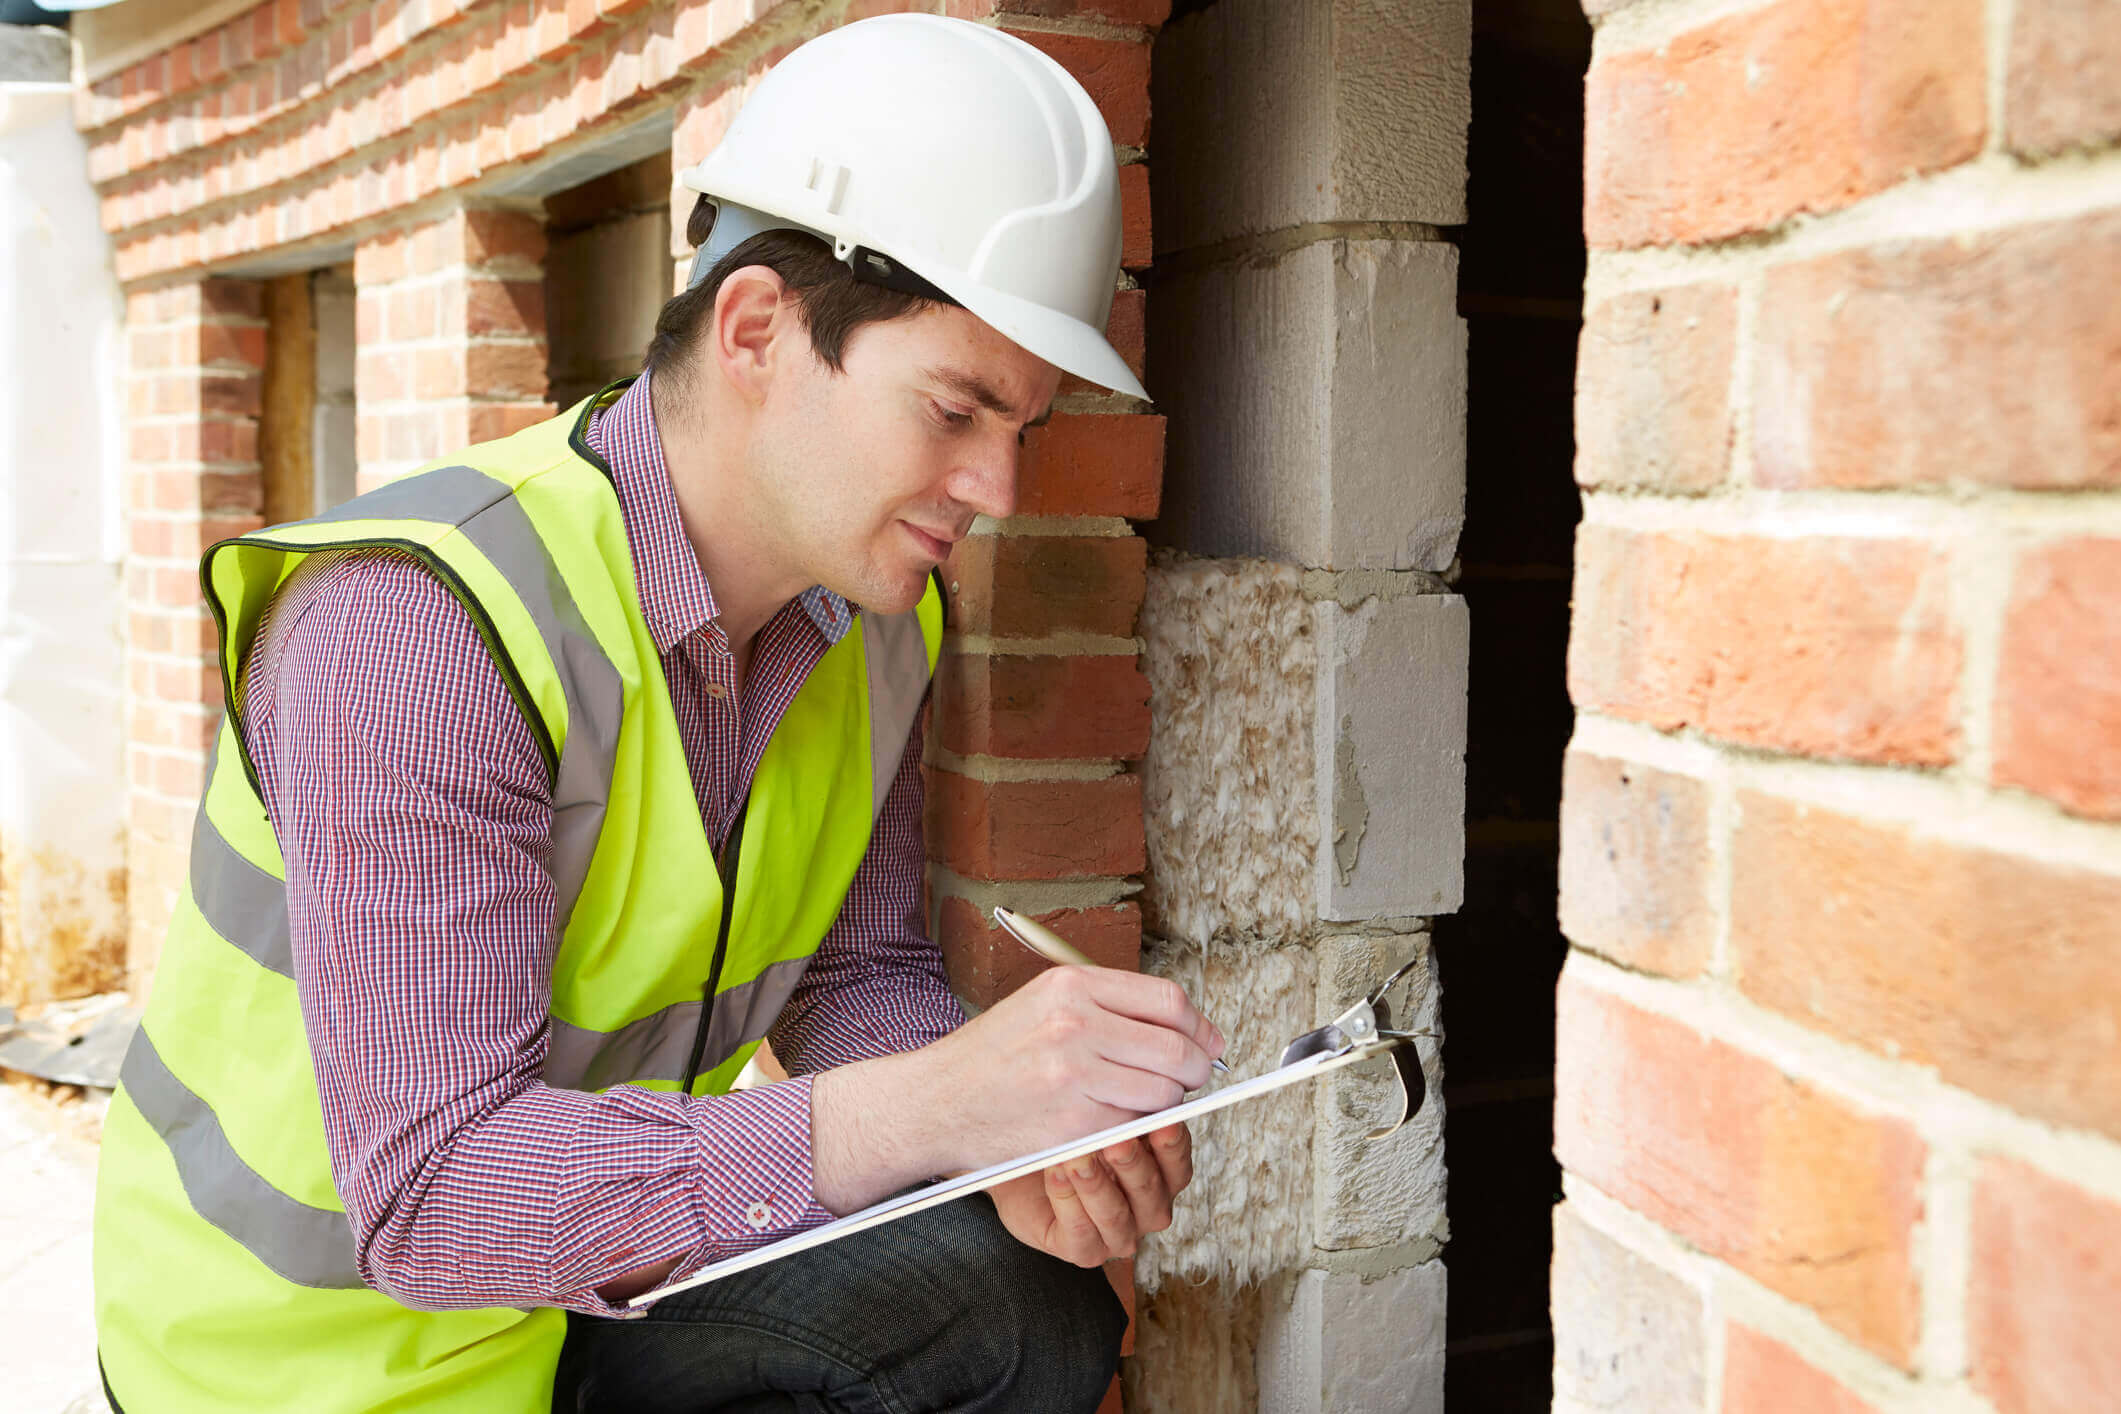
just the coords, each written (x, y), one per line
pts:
(896, 592)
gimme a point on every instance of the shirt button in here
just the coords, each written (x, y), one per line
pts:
(759, 1216)
(717, 691)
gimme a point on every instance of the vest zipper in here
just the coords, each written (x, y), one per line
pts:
(725, 867)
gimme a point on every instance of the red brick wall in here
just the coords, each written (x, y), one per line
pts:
(1841, 857)
(196, 358)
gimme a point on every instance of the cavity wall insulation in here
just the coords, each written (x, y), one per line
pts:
(1253, 788)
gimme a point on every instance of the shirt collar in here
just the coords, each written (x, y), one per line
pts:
(675, 597)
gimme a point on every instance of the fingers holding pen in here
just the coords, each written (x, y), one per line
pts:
(1158, 1001)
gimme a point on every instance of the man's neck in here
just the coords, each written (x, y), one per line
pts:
(734, 552)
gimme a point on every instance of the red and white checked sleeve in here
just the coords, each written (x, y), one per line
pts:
(413, 812)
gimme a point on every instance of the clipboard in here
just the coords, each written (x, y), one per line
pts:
(1362, 1032)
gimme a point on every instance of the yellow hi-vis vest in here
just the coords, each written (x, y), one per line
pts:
(225, 1268)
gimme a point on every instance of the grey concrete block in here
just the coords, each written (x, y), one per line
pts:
(1377, 1192)
(1338, 1343)
(1317, 407)
(1390, 741)
(1287, 114)
(1627, 1333)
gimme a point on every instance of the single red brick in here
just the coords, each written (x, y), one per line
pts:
(486, 422)
(1635, 864)
(1653, 389)
(1093, 706)
(167, 724)
(1127, 332)
(1030, 586)
(2018, 326)
(148, 633)
(491, 235)
(224, 443)
(231, 345)
(1995, 968)
(150, 536)
(148, 443)
(1137, 249)
(232, 299)
(1801, 105)
(438, 373)
(384, 376)
(483, 306)
(180, 773)
(1798, 1188)
(2061, 90)
(985, 964)
(2046, 1282)
(1840, 648)
(1036, 829)
(174, 590)
(206, 57)
(198, 681)
(413, 314)
(2058, 686)
(1108, 464)
(1764, 1376)
(510, 370)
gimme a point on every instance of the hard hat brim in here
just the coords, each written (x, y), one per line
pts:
(1060, 339)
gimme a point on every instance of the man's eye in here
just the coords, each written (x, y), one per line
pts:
(951, 415)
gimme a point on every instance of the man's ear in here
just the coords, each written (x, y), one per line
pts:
(747, 336)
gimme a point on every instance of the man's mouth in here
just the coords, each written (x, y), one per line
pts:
(935, 547)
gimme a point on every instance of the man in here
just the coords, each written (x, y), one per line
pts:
(557, 776)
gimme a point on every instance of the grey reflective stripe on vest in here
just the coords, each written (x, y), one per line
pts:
(238, 900)
(897, 657)
(486, 513)
(657, 1047)
(307, 1246)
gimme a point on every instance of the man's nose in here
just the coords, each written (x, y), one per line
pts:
(986, 481)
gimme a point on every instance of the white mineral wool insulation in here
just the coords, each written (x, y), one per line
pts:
(1228, 799)
(1195, 1350)
(1247, 1213)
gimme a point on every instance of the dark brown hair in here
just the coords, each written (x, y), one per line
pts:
(833, 304)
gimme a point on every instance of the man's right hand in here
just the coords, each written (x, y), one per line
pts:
(1073, 1051)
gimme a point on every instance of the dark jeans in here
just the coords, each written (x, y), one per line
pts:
(940, 1311)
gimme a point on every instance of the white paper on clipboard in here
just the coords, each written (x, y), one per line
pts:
(906, 1204)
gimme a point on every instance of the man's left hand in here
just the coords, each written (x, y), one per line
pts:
(1093, 1209)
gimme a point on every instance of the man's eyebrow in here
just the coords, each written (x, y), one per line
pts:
(974, 388)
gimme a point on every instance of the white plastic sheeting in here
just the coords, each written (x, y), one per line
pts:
(62, 783)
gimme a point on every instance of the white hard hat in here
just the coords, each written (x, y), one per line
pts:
(947, 151)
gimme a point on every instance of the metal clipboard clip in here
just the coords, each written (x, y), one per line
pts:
(1368, 1023)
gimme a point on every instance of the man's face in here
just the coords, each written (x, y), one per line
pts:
(868, 476)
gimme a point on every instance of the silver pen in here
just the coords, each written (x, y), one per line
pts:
(1052, 946)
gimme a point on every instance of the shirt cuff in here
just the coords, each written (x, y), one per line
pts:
(749, 1184)
(756, 1184)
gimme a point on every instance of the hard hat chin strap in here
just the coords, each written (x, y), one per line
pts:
(734, 224)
